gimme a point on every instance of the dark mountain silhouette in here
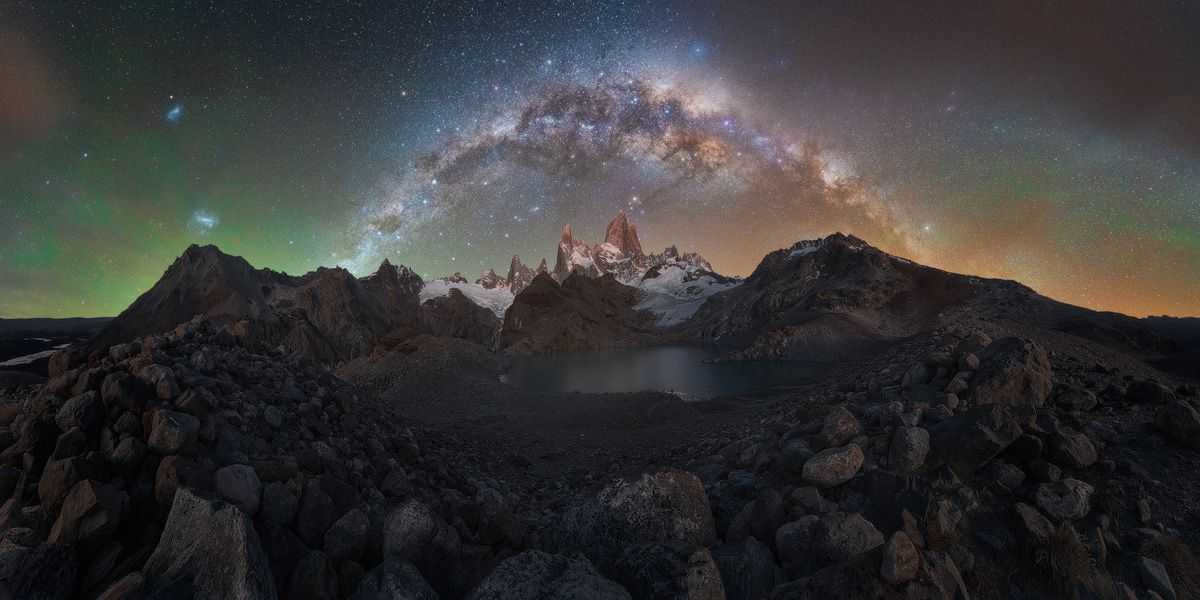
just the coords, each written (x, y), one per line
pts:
(327, 314)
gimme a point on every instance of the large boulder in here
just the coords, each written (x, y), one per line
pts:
(901, 561)
(1180, 422)
(968, 441)
(347, 537)
(1073, 449)
(410, 529)
(759, 518)
(211, 549)
(394, 580)
(833, 466)
(840, 536)
(1032, 525)
(239, 485)
(534, 575)
(84, 411)
(413, 532)
(1012, 372)
(173, 432)
(910, 446)
(838, 428)
(793, 543)
(58, 477)
(666, 506)
(90, 514)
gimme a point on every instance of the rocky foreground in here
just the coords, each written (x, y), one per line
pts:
(199, 464)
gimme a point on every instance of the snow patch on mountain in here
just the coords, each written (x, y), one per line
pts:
(678, 290)
(496, 299)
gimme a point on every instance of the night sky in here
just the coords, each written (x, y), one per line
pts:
(1053, 143)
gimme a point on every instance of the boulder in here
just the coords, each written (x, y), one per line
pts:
(58, 478)
(90, 515)
(175, 471)
(1180, 422)
(910, 446)
(397, 580)
(211, 549)
(833, 466)
(665, 506)
(120, 389)
(173, 432)
(840, 536)
(838, 428)
(759, 518)
(794, 543)
(84, 411)
(410, 529)
(1065, 499)
(970, 440)
(1154, 577)
(162, 379)
(1012, 372)
(1073, 449)
(901, 561)
(347, 537)
(239, 485)
(748, 570)
(669, 570)
(1035, 528)
(128, 455)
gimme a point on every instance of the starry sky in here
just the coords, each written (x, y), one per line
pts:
(1053, 143)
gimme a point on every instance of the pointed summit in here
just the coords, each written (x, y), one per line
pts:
(623, 234)
(566, 235)
(519, 275)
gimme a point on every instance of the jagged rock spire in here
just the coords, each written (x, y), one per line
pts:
(623, 234)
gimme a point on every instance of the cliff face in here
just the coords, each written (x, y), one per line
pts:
(583, 313)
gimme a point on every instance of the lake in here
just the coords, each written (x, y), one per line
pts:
(680, 369)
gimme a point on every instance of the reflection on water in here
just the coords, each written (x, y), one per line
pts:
(678, 369)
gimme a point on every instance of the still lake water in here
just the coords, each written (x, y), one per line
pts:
(680, 369)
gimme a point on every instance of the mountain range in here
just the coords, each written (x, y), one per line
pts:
(818, 299)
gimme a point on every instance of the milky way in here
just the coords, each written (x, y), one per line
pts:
(1002, 139)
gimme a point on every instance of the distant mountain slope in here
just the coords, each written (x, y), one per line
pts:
(327, 314)
(839, 294)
